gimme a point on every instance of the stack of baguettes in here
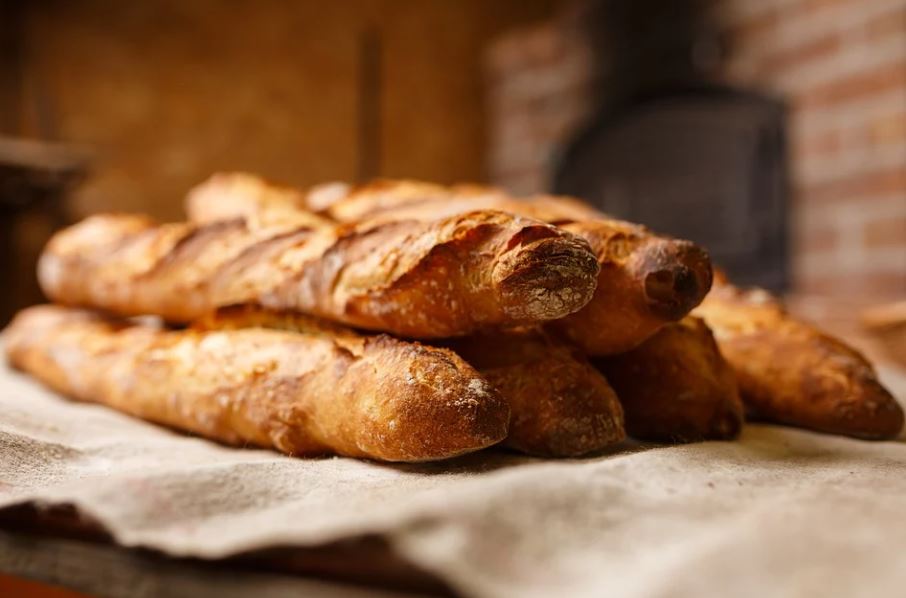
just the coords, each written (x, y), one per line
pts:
(296, 320)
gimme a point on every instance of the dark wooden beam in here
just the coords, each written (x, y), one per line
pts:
(12, 77)
(369, 105)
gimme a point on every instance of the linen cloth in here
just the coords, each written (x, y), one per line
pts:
(780, 512)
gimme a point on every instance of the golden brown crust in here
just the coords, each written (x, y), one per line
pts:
(395, 199)
(303, 394)
(227, 196)
(676, 386)
(793, 374)
(560, 405)
(645, 280)
(372, 200)
(426, 279)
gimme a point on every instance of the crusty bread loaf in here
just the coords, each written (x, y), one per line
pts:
(560, 405)
(226, 196)
(423, 279)
(645, 280)
(791, 373)
(374, 199)
(676, 386)
(386, 198)
(301, 393)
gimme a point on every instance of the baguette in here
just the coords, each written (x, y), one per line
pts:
(644, 280)
(384, 198)
(302, 394)
(420, 279)
(226, 196)
(791, 373)
(560, 405)
(676, 386)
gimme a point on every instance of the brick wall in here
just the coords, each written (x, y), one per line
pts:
(840, 64)
(539, 92)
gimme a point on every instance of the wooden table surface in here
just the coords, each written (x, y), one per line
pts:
(57, 546)
(40, 566)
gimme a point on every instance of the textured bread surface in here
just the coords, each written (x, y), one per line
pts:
(644, 280)
(307, 393)
(676, 386)
(422, 279)
(793, 374)
(227, 196)
(560, 405)
(389, 198)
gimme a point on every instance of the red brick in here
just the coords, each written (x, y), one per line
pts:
(889, 128)
(814, 50)
(824, 144)
(862, 84)
(817, 240)
(809, 7)
(893, 23)
(884, 283)
(884, 182)
(887, 284)
(885, 233)
(805, 9)
(875, 285)
(814, 286)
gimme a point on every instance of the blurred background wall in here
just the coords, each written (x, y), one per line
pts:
(132, 103)
(146, 99)
(165, 92)
(840, 68)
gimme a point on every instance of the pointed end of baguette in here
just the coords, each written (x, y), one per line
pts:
(432, 404)
(863, 408)
(889, 416)
(547, 279)
(677, 275)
